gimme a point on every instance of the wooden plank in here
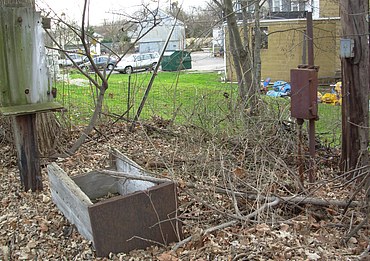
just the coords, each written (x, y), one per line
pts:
(82, 222)
(127, 186)
(30, 108)
(96, 185)
(120, 174)
(122, 163)
(136, 221)
(70, 199)
(23, 80)
(125, 164)
(24, 131)
(23, 70)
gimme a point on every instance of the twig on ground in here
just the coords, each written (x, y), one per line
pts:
(230, 223)
(295, 199)
(356, 229)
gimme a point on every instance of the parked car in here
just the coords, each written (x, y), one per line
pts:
(77, 58)
(102, 62)
(136, 62)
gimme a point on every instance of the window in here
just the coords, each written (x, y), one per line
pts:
(287, 5)
(237, 7)
(276, 5)
(146, 57)
(297, 5)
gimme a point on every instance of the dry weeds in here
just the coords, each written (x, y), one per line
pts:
(259, 161)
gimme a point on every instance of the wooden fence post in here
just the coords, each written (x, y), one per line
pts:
(25, 139)
(24, 82)
(355, 86)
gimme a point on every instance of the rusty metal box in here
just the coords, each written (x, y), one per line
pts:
(138, 215)
(304, 84)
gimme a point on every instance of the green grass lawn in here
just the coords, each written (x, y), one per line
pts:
(174, 95)
(185, 97)
(328, 127)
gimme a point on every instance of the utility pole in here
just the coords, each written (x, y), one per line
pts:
(355, 85)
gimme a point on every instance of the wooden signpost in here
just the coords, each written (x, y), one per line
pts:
(25, 87)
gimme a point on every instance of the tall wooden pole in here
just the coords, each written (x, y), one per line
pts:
(21, 82)
(355, 86)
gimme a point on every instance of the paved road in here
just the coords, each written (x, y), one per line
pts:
(205, 61)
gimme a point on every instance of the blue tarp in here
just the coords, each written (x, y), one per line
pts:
(280, 88)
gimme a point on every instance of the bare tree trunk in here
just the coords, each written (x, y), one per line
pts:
(102, 77)
(93, 119)
(47, 133)
(245, 4)
(242, 61)
(355, 87)
(257, 44)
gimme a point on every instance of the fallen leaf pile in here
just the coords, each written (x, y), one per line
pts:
(32, 228)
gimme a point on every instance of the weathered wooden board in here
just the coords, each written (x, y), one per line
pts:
(70, 199)
(23, 70)
(96, 185)
(124, 164)
(27, 152)
(24, 80)
(136, 221)
(30, 108)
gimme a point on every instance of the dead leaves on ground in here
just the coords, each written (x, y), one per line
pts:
(31, 227)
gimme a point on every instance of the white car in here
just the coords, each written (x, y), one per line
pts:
(136, 62)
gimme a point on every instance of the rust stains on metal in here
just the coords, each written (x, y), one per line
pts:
(136, 221)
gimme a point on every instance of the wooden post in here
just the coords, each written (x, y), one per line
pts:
(355, 86)
(24, 88)
(25, 138)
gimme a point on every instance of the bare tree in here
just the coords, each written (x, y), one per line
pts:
(115, 35)
(242, 60)
(101, 83)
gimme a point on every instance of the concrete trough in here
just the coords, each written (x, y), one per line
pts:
(140, 214)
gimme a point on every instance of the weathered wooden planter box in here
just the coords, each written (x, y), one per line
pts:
(142, 213)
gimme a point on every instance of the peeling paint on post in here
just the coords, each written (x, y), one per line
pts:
(24, 82)
(23, 70)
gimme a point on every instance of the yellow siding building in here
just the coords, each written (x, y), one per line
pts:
(287, 47)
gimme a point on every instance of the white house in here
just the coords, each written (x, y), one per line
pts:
(155, 39)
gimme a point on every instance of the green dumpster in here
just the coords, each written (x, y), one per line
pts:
(176, 60)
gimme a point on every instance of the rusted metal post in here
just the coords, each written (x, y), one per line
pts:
(304, 82)
(129, 96)
(300, 155)
(311, 124)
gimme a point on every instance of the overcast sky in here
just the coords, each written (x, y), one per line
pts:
(104, 9)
